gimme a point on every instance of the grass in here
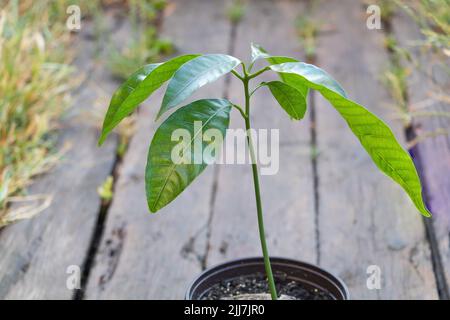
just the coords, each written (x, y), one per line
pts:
(35, 82)
(308, 28)
(387, 10)
(105, 191)
(235, 11)
(146, 46)
(395, 79)
(433, 18)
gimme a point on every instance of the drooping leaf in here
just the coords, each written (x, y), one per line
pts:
(195, 74)
(259, 52)
(375, 136)
(138, 87)
(289, 98)
(165, 179)
(287, 78)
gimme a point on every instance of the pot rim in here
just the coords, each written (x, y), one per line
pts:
(313, 268)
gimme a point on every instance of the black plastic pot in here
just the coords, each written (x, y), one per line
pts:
(310, 276)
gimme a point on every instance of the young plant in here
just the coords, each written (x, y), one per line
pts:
(165, 180)
(36, 79)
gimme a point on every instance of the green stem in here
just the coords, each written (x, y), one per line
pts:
(254, 75)
(262, 236)
(237, 75)
(240, 110)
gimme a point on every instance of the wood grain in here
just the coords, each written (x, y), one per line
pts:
(364, 217)
(426, 79)
(144, 256)
(287, 196)
(37, 252)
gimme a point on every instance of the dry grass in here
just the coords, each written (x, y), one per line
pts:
(34, 85)
(433, 18)
(36, 80)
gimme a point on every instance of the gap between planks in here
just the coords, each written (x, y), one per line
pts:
(365, 218)
(216, 174)
(431, 155)
(152, 256)
(287, 196)
(37, 252)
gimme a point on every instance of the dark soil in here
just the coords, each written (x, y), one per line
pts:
(257, 283)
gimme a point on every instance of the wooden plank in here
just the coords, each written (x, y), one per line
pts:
(145, 256)
(37, 252)
(434, 152)
(288, 197)
(364, 218)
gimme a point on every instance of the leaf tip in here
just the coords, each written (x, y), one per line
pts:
(426, 213)
(422, 207)
(101, 140)
(159, 114)
(152, 207)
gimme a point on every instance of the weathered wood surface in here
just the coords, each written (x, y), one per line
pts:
(427, 81)
(144, 256)
(361, 218)
(287, 196)
(364, 217)
(36, 253)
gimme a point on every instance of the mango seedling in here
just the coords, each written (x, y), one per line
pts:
(165, 180)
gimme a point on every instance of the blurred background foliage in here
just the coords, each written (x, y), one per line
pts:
(433, 20)
(433, 17)
(145, 46)
(37, 76)
(34, 84)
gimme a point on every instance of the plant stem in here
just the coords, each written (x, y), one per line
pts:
(254, 75)
(237, 75)
(240, 110)
(262, 236)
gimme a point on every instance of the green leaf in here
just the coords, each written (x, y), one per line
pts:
(258, 52)
(195, 74)
(289, 98)
(310, 75)
(166, 179)
(138, 87)
(120, 95)
(280, 59)
(375, 136)
(287, 78)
